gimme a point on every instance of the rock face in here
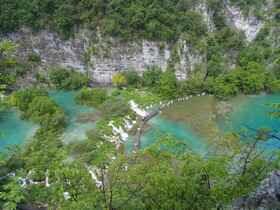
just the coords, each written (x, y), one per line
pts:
(250, 25)
(207, 15)
(108, 56)
(88, 52)
(51, 49)
(267, 196)
(123, 56)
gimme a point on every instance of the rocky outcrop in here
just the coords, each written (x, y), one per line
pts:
(52, 50)
(267, 196)
(123, 56)
(188, 59)
(106, 57)
(207, 15)
(250, 24)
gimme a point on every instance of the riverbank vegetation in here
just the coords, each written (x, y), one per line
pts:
(35, 105)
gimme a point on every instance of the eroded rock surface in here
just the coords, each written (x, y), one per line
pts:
(267, 195)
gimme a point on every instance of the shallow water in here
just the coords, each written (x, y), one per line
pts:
(176, 129)
(187, 123)
(74, 130)
(251, 114)
(191, 122)
(66, 100)
(13, 130)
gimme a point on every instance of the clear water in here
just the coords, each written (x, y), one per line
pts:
(74, 130)
(254, 113)
(161, 126)
(176, 129)
(13, 130)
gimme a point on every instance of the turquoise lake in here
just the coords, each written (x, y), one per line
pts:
(74, 130)
(13, 130)
(176, 129)
(253, 112)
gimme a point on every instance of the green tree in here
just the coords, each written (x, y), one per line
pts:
(168, 85)
(22, 98)
(44, 111)
(12, 195)
(132, 78)
(151, 77)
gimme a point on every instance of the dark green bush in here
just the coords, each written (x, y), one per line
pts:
(151, 77)
(132, 78)
(67, 79)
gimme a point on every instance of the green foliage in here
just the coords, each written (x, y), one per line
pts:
(149, 179)
(114, 107)
(126, 19)
(37, 106)
(34, 57)
(68, 79)
(142, 98)
(276, 112)
(7, 61)
(223, 87)
(43, 151)
(91, 97)
(168, 85)
(249, 80)
(7, 48)
(151, 77)
(132, 78)
(192, 86)
(21, 99)
(119, 80)
(247, 4)
(12, 195)
(276, 67)
(218, 15)
(44, 111)
(277, 10)
(251, 54)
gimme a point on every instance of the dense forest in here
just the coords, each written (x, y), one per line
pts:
(128, 19)
(97, 172)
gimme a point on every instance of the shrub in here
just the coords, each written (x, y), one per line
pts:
(132, 78)
(151, 77)
(119, 80)
(91, 97)
(68, 79)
